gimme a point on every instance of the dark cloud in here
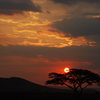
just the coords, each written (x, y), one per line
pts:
(81, 54)
(75, 1)
(10, 7)
(91, 14)
(79, 26)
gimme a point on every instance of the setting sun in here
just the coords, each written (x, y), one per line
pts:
(66, 70)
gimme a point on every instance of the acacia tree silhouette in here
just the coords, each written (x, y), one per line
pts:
(75, 79)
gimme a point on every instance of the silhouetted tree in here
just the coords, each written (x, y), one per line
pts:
(75, 79)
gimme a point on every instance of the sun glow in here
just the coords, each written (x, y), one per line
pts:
(66, 70)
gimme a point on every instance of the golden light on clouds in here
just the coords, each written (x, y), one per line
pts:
(33, 28)
(36, 34)
(42, 38)
(27, 19)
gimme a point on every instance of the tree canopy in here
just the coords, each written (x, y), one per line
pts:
(76, 79)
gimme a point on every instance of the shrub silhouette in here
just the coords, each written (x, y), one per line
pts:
(75, 79)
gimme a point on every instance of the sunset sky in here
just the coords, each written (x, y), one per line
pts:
(42, 36)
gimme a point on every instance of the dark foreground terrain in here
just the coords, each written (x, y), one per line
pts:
(20, 89)
(46, 96)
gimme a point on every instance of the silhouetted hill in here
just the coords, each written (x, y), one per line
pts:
(15, 84)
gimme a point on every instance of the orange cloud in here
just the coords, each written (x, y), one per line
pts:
(33, 28)
(45, 36)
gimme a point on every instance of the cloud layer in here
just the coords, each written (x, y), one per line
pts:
(75, 1)
(11, 7)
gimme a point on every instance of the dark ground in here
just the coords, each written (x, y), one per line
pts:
(35, 96)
